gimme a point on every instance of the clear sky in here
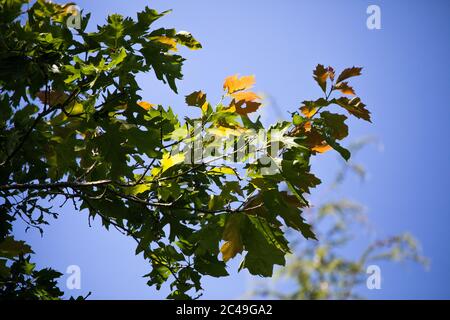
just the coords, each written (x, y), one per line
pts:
(405, 84)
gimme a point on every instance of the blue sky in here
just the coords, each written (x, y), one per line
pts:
(405, 81)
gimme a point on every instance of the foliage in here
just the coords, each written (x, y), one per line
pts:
(73, 127)
(323, 270)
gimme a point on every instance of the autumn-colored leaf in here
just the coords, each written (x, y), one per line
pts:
(354, 106)
(307, 126)
(316, 141)
(169, 161)
(345, 88)
(308, 111)
(52, 98)
(321, 75)
(309, 108)
(245, 96)
(234, 83)
(321, 148)
(232, 236)
(348, 73)
(145, 105)
(222, 170)
(331, 73)
(172, 43)
(222, 131)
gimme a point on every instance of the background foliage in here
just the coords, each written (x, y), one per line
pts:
(324, 269)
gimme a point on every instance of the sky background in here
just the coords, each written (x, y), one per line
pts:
(405, 84)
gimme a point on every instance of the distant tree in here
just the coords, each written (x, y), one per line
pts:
(324, 269)
(74, 128)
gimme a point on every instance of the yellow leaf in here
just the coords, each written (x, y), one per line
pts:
(169, 161)
(137, 189)
(233, 83)
(232, 236)
(172, 43)
(225, 132)
(145, 105)
(75, 108)
(245, 96)
(222, 170)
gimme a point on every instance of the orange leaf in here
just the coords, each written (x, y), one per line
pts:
(145, 105)
(316, 142)
(308, 111)
(307, 126)
(233, 83)
(321, 148)
(345, 88)
(245, 96)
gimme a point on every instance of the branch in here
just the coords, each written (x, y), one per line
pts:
(56, 185)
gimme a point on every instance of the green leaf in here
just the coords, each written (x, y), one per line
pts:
(186, 39)
(10, 248)
(209, 265)
(262, 254)
(341, 150)
(335, 124)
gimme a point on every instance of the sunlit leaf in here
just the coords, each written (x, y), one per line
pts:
(245, 96)
(321, 74)
(145, 105)
(232, 236)
(169, 161)
(354, 106)
(348, 73)
(170, 42)
(345, 88)
(234, 83)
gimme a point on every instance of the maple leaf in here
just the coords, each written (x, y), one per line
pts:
(145, 105)
(234, 83)
(245, 96)
(196, 99)
(232, 236)
(170, 42)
